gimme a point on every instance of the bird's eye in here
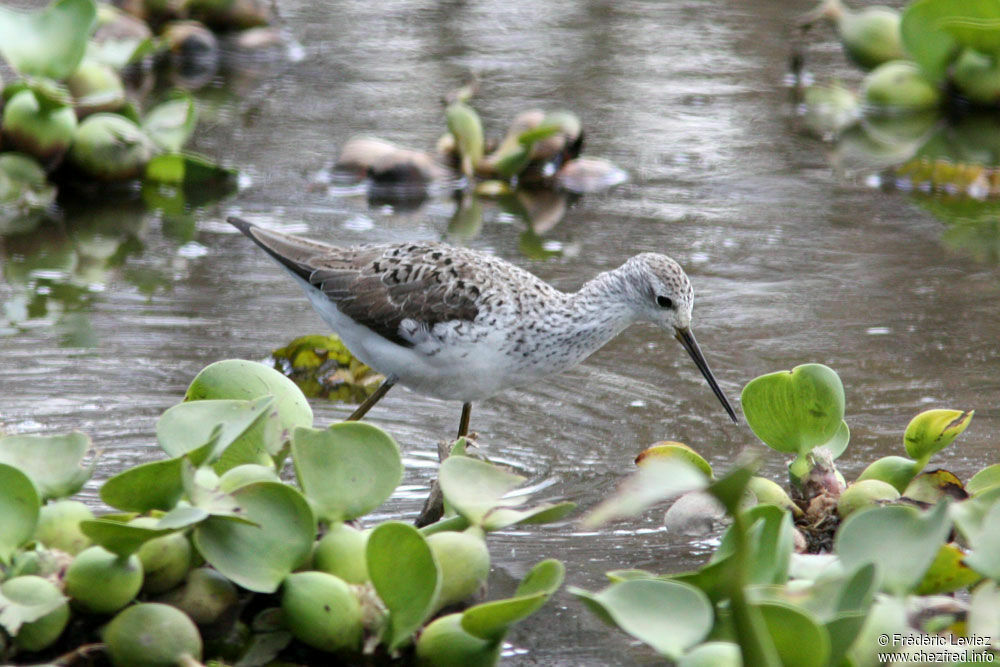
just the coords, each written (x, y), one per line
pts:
(664, 302)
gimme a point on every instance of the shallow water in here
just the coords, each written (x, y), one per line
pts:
(791, 263)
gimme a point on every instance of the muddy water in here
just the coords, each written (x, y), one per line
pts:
(790, 263)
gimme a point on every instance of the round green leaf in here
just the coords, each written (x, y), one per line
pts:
(149, 486)
(657, 479)
(668, 615)
(985, 556)
(171, 123)
(795, 411)
(894, 470)
(930, 487)
(52, 462)
(933, 430)
(187, 426)
(258, 557)
(666, 449)
(473, 488)
(50, 42)
(491, 620)
(984, 480)
(19, 506)
(933, 30)
(405, 575)
(898, 539)
(117, 537)
(248, 380)
(346, 470)
(800, 639)
(713, 654)
(947, 573)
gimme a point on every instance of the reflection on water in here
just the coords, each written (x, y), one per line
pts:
(790, 262)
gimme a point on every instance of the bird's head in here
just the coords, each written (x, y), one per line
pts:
(661, 293)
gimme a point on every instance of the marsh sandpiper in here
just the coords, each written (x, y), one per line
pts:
(459, 324)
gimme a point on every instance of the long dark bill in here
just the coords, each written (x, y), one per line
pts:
(686, 339)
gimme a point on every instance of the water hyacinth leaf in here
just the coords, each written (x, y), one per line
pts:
(259, 557)
(713, 654)
(843, 631)
(24, 193)
(248, 380)
(405, 575)
(985, 556)
(616, 576)
(52, 462)
(201, 486)
(838, 443)
(473, 488)
(464, 124)
(188, 426)
(859, 590)
(491, 620)
(117, 537)
(898, 539)
(930, 487)
(503, 517)
(730, 490)
(668, 615)
(50, 42)
(149, 486)
(15, 613)
(887, 617)
(19, 506)
(655, 481)
(984, 611)
(895, 470)
(948, 573)
(771, 539)
(667, 448)
(187, 169)
(795, 411)
(981, 34)
(801, 640)
(933, 430)
(171, 123)
(182, 517)
(346, 470)
(984, 480)
(969, 515)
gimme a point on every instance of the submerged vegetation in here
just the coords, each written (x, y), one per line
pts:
(207, 554)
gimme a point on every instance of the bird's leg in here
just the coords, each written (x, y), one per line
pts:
(463, 424)
(373, 399)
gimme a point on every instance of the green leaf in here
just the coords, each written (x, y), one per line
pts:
(117, 537)
(948, 573)
(188, 169)
(171, 123)
(654, 482)
(771, 541)
(843, 631)
(491, 620)
(713, 654)
(984, 480)
(898, 539)
(838, 443)
(667, 449)
(464, 124)
(984, 611)
(19, 506)
(51, 461)
(182, 517)
(405, 575)
(795, 411)
(985, 556)
(503, 517)
(347, 470)
(259, 557)
(801, 640)
(894, 470)
(981, 34)
(474, 488)
(933, 430)
(930, 487)
(48, 43)
(187, 426)
(668, 615)
(968, 515)
(731, 488)
(248, 380)
(149, 486)
(29, 603)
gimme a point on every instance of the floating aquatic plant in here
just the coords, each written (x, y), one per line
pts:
(212, 533)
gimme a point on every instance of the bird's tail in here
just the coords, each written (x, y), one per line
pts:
(292, 252)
